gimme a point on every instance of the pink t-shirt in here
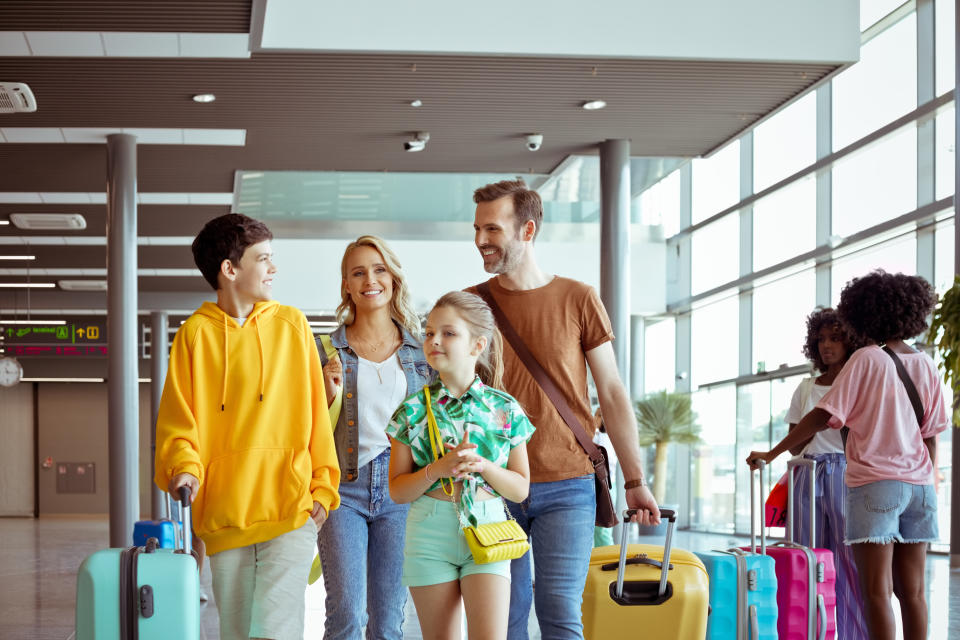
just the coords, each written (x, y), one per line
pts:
(885, 442)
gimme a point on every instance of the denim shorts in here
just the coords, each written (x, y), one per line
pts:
(436, 551)
(891, 511)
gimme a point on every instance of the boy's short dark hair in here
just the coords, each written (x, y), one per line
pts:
(226, 238)
(527, 204)
(883, 306)
(820, 318)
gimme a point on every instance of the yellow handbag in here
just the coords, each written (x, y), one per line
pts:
(489, 542)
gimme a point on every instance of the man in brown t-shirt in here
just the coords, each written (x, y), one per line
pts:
(566, 328)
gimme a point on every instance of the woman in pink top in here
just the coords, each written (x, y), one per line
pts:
(891, 508)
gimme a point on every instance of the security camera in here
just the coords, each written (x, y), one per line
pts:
(534, 141)
(419, 142)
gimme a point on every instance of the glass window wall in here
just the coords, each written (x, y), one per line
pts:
(785, 143)
(880, 88)
(785, 223)
(714, 257)
(780, 310)
(716, 182)
(659, 355)
(714, 342)
(898, 255)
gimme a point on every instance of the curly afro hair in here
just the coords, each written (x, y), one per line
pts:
(883, 306)
(816, 321)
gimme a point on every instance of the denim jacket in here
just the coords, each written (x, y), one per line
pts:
(346, 432)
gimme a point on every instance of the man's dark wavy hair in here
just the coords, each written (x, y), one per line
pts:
(820, 318)
(883, 306)
(226, 238)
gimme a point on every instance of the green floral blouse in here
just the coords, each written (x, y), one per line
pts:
(491, 418)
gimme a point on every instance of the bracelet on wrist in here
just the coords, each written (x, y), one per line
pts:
(426, 473)
(633, 484)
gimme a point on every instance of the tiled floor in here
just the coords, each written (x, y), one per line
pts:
(39, 560)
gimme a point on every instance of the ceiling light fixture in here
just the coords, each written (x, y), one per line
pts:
(4, 222)
(419, 142)
(593, 105)
(82, 285)
(416, 103)
(204, 98)
(48, 322)
(18, 257)
(27, 285)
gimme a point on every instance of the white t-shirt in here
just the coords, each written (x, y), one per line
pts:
(381, 387)
(805, 398)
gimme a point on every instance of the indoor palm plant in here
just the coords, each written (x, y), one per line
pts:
(664, 417)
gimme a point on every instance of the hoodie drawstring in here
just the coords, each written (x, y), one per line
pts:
(226, 364)
(262, 363)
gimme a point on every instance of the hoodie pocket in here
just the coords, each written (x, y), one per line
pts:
(251, 486)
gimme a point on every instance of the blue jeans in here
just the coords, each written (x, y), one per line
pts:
(558, 517)
(361, 548)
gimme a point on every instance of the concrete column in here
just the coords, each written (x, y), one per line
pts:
(615, 263)
(159, 356)
(122, 371)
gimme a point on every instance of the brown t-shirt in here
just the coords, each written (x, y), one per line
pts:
(559, 322)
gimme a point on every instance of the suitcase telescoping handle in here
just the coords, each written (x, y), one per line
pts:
(812, 464)
(753, 508)
(187, 525)
(671, 517)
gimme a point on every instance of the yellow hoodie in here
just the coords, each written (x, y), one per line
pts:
(244, 410)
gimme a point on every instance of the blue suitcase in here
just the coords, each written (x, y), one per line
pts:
(748, 579)
(140, 592)
(164, 530)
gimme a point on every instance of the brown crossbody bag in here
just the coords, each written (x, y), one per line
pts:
(606, 513)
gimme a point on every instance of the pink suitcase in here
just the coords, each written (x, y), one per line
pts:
(806, 578)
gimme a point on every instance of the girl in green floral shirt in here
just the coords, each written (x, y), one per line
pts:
(485, 432)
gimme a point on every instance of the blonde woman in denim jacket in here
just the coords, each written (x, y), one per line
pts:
(378, 362)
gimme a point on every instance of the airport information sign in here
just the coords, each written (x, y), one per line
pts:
(77, 338)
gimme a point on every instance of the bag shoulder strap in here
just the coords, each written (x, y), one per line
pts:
(908, 383)
(327, 350)
(540, 375)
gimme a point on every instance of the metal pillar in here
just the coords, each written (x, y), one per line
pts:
(159, 356)
(123, 402)
(955, 471)
(615, 261)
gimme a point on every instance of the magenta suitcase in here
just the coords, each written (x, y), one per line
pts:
(806, 578)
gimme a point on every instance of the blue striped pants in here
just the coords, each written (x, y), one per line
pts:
(831, 495)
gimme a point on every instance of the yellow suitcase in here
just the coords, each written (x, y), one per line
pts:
(645, 601)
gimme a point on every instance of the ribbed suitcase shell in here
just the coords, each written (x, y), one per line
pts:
(725, 585)
(793, 596)
(682, 616)
(176, 596)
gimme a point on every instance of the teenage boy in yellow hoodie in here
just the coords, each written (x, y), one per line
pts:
(243, 423)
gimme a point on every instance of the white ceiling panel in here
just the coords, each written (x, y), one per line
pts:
(163, 198)
(20, 197)
(211, 198)
(214, 45)
(63, 197)
(80, 135)
(65, 43)
(157, 136)
(229, 137)
(141, 45)
(40, 135)
(13, 43)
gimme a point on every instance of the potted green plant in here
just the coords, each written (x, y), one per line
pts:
(664, 417)
(944, 335)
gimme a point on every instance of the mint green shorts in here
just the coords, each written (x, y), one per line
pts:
(436, 551)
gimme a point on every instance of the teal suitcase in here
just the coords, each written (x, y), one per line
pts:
(140, 593)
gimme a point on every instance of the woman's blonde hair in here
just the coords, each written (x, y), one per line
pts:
(401, 309)
(479, 318)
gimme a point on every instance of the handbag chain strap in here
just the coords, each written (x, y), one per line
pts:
(436, 443)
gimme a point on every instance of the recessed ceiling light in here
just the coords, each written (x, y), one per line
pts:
(593, 105)
(83, 285)
(416, 103)
(18, 257)
(3, 222)
(41, 322)
(204, 97)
